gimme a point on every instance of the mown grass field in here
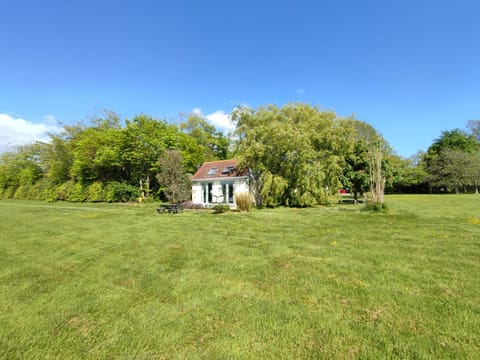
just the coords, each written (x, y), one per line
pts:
(122, 282)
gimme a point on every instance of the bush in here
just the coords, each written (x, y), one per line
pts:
(32, 193)
(220, 208)
(147, 200)
(121, 192)
(244, 201)
(22, 192)
(43, 190)
(375, 207)
(76, 193)
(9, 192)
(62, 191)
(95, 193)
(49, 194)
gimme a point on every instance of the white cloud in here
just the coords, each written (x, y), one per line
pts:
(16, 131)
(218, 119)
(301, 92)
(197, 111)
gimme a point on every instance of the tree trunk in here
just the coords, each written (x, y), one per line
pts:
(377, 180)
(147, 184)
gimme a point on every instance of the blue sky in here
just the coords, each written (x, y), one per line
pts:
(409, 68)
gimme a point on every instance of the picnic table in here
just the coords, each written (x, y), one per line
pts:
(170, 208)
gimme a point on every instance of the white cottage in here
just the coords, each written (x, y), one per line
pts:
(217, 182)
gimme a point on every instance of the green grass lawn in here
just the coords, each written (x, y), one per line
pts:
(120, 281)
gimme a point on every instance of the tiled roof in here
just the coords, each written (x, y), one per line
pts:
(218, 169)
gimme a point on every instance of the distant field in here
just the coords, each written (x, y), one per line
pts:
(120, 281)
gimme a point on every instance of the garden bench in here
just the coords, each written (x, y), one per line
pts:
(350, 199)
(170, 208)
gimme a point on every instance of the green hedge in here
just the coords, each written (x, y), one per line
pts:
(73, 192)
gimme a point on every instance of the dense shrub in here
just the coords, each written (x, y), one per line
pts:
(94, 192)
(9, 192)
(22, 192)
(49, 194)
(244, 201)
(76, 193)
(220, 208)
(61, 192)
(26, 192)
(43, 190)
(147, 199)
(375, 207)
(121, 192)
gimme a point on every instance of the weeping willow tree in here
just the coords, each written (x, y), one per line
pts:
(296, 153)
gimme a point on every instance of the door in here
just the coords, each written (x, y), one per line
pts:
(207, 193)
(227, 189)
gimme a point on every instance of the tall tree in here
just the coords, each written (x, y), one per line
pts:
(199, 142)
(409, 174)
(454, 169)
(455, 139)
(450, 160)
(356, 173)
(59, 159)
(172, 177)
(96, 153)
(474, 170)
(295, 153)
(144, 140)
(22, 167)
(372, 165)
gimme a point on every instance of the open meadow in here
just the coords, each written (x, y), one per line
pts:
(121, 281)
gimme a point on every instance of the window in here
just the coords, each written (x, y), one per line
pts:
(227, 190)
(212, 171)
(207, 193)
(228, 170)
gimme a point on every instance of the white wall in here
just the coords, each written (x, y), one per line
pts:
(239, 186)
(197, 193)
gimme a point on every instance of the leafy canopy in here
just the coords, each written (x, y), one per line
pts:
(296, 153)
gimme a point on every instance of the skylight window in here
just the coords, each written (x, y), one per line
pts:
(212, 171)
(228, 170)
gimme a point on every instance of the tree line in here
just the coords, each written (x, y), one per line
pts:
(298, 155)
(110, 160)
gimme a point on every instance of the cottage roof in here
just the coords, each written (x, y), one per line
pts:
(218, 169)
